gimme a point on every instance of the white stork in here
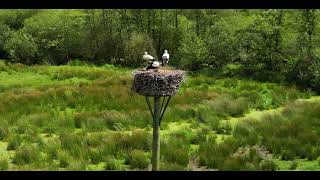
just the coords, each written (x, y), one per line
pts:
(147, 57)
(154, 65)
(165, 57)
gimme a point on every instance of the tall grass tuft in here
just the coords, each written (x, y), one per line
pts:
(138, 159)
(4, 164)
(14, 142)
(26, 154)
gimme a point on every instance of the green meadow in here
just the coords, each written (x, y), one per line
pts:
(81, 117)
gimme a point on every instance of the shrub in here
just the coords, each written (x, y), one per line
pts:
(248, 159)
(77, 62)
(138, 159)
(193, 52)
(313, 153)
(22, 48)
(182, 113)
(109, 66)
(79, 165)
(5, 34)
(238, 107)
(74, 144)
(4, 165)
(27, 154)
(94, 140)
(171, 167)
(294, 165)
(318, 160)
(186, 135)
(113, 119)
(245, 135)
(94, 123)
(226, 129)
(97, 121)
(139, 139)
(316, 80)
(295, 136)
(79, 121)
(213, 155)
(137, 43)
(230, 70)
(237, 164)
(176, 149)
(113, 164)
(95, 156)
(71, 141)
(268, 165)
(51, 148)
(200, 135)
(176, 155)
(225, 106)
(64, 159)
(14, 142)
(288, 155)
(4, 131)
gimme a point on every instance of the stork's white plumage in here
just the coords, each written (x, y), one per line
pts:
(155, 64)
(147, 57)
(165, 56)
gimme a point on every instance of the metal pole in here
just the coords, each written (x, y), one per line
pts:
(156, 135)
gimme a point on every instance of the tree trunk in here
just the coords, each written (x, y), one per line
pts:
(278, 35)
(153, 23)
(149, 21)
(160, 34)
(176, 19)
(197, 22)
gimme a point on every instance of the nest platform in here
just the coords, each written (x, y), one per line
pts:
(160, 82)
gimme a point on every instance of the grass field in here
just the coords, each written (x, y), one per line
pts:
(87, 118)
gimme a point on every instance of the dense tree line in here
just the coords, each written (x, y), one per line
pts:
(273, 45)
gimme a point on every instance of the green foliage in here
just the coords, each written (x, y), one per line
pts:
(220, 151)
(135, 47)
(64, 159)
(224, 107)
(14, 18)
(138, 159)
(113, 164)
(77, 62)
(222, 42)
(249, 159)
(26, 155)
(3, 132)
(4, 165)
(5, 34)
(139, 139)
(268, 45)
(293, 165)
(176, 151)
(22, 48)
(14, 142)
(171, 167)
(193, 52)
(318, 159)
(58, 34)
(295, 135)
(84, 117)
(268, 165)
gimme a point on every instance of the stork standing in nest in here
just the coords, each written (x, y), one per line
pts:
(153, 64)
(165, 58)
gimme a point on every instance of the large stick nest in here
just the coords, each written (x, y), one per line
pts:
(159, 82)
